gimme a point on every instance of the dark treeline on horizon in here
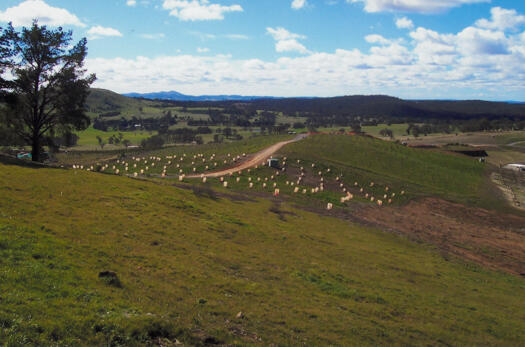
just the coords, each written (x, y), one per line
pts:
(356, 111)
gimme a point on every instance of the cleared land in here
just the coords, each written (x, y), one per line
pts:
(201, 264)
(188, 265)
(255, 159)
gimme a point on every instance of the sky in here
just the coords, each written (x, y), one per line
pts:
(413, 49)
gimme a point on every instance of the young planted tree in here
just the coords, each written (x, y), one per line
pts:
(48, 84)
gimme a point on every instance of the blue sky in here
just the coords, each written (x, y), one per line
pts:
(454, 49)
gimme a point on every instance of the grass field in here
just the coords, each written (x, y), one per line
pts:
(419, 171)
(399, 130)
(188, 265)
(88, 138)
(247, 145)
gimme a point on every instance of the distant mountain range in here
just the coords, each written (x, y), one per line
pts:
(176, 96)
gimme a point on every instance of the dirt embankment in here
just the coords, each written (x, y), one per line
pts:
(512, 185)
(488, 238)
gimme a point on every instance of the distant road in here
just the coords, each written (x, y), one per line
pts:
(256, 159)
(517, 144)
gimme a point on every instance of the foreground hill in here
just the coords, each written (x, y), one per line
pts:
(227, 268)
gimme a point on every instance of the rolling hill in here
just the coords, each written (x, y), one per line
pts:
(176, 96)
(102, 259)
(358, 105)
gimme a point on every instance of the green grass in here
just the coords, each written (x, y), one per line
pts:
(189, 264)
(419, 171)
(88, 138)
(398, 129)
(247, 145)
(510, 137)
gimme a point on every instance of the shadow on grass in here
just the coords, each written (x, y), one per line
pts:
(8, 160)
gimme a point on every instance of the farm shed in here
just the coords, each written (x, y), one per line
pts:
(474, 153)
(273, 162)
(515, 167)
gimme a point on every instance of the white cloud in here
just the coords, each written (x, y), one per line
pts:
(404, 23)
(131, 3)
(374, 38)
(432, 47)
(24, 13)
(98, 31)
(157, 36)
(502, 19)
(194, 10)
(202, 50)
(237, 37)
(417, 6)
(298, 4)
(287, 41)
(474, 41)
(281, 33)
(430, 64)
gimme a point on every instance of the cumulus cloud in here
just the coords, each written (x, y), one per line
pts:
(287, 41)
(472, 41)
(417, 6)
(298, 4)
(404, 23)
(98, 32)
(502, 19)
(131, 3)
(429, 63)
(374, 38)
(432, 47)
(195, 10)
(202, 50)
(24, 13)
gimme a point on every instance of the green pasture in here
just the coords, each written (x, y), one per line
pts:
(228, 269)
(420, 171)
(88, 138)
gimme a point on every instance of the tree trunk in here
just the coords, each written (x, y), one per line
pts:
(35, 148)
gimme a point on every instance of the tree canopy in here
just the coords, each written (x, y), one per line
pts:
(47, 86)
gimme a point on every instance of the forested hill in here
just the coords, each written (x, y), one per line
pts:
(347, 106)
(386, 106)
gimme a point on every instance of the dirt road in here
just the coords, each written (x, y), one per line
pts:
(253, 160)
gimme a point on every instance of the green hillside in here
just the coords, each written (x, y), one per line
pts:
(420, 171)
(102, 100)
(235, 269)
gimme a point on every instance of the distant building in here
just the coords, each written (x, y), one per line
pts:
(515, 167)
(273, 162)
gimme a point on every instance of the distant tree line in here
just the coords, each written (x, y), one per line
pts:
(123, 124)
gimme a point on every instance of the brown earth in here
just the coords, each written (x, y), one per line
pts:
(488, 238)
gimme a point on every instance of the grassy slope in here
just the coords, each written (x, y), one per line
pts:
(419, 171)
(189, 264)
(88, 138)
(247, 145)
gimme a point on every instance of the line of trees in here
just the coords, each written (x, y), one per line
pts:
(123, 124)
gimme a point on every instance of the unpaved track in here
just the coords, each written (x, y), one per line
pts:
(256, 159)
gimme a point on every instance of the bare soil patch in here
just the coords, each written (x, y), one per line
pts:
(489, 238)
